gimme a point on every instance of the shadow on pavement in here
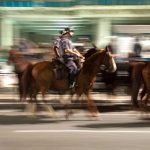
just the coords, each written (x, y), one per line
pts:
(22, 119)
(141, 124)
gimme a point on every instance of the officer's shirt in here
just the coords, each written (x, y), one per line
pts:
(56, 42)
(65, 43)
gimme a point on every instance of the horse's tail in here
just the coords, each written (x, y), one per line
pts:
(27, 81)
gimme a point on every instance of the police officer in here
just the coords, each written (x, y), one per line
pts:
(68, 53)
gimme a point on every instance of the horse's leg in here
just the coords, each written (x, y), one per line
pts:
(67, 107)
(136, 77)
(143, 92)
(20, 90)
(91, 105)
(143, 96)
(32, 105)
(45, 105)
(146, 88)
(32, 93)
(145, 100)
(34, 102)
(81, 99)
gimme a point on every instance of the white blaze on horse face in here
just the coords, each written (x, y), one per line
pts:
(113, 65)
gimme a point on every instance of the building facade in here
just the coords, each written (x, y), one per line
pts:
(40, 20)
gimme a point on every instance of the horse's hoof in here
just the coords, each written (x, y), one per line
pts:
(67, 116)
(32, 116)
(93, 116)
(134, 108)
(53, 115)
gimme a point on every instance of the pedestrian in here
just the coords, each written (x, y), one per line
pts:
(137, 48)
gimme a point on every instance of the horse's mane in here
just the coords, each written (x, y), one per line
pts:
(92, 58)
(91, 62)
(90, 52)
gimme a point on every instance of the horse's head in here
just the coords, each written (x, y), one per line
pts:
(91, 51)
(108, 62)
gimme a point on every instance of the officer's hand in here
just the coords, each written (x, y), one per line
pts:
(82, 57)
(82, 60)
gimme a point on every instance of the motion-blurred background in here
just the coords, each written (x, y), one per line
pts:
(33, 25)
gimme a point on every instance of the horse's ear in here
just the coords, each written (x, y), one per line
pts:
(94, 46)
(107, 49)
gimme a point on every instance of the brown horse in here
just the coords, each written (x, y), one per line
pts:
(43, 77)
(145, 94)
(135, 73)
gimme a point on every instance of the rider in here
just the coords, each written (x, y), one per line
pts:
(68, 53)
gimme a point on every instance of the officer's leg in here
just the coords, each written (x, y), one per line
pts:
(72, 73)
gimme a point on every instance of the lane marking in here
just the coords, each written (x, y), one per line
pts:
(81, 131)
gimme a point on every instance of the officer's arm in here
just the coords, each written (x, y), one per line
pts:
(56, 51)
(70, 51)
(79, 55)
(74, 52)
(66, 46)
(56, 47)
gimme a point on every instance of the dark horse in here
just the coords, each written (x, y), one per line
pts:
(145, 94)
(20, 65)
(136, 78)
(41, 77)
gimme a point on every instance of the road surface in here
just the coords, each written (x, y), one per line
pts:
(122, 130)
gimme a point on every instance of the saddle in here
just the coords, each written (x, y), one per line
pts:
(60, 69)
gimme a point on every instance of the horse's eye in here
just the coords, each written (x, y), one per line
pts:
(107, 53)
(102, 67)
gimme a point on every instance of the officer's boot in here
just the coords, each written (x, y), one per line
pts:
(71, 81)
